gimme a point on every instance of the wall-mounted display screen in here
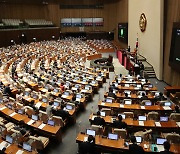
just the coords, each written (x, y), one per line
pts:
(98, 21)
(123, 32)
(87, 21)
(66, 22)
(76, 22)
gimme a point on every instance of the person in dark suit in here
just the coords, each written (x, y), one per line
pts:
(166, 148)
(119, 123)
(134, 148)
(98, 120)
(87, 147)
(60, 112)
(111, 94)
(160, 97)
(7, 90)
(144, 97)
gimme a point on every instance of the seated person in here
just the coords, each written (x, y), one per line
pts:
(7, 90)
(60, 112)
(98, 120)
(160, 97)
(111, 94)
(144, 97)
(119, 123)
(87, 147)
(166, 148)
(134, 148)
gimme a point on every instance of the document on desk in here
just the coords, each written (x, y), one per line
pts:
(122, 105)
(4, 107)
(102, 103)
(38, 105)
(157, 124)
(178, 124)
(29, 99)
(12, 114)
(93, 117)
(141, 123)
(142, 107)
(166, 108)
(30, 122)
(85, 139)
(20, 152)
(42, 126)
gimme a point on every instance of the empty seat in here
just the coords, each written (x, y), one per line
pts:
(98, 129)
(43, 116)
(153, 116)
(129, 115)
(58, 121)
(173, 138)
(121, 133)
(175, 117)
(107, 111)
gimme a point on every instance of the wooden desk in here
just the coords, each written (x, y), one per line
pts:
(169, 89)
(106, 144)
(149, 124)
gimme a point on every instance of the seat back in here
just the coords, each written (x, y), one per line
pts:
(43, 116)
(58, 121)
(107, 111)
(175, 117)
(129, 115)
(98, 129)
(144, 101)
(173, 138)
(29, 111)
(153, 116)
(121, 133)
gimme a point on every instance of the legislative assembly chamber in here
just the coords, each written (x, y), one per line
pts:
(89, 76)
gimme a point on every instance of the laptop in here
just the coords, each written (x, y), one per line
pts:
(167, 104)
(112, 136)
(26, 93)
(103, 114)
(56, 103)
(87, 88)
(9, 139)
(164, 119)
(138, 86)
(148, 103)
(150, 86)
(76, 86)
(90, 132)
(35, 96)
(93, 82)
(128, 102)
(69, 107)
(160, 142)
(108, 100)
(51, 122)
(138, 139)
(27, 147)
(142, 118)
(34, 117)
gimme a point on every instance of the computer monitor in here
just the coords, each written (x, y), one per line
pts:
(138, 139)
(46, 87)
(150, 86)
(167, 104)
(93, 82)
(87, 88)
(163, 118)
(76, 86)
(112, 136)
(1, 100)
(51, 122)
(78, 95)
(27, 147)
(56, 90)
(103, 114)
(66, 93)
(35, 96)
(9, 139)
(69, 107)
(56, 103)
(90, 132)
(108, 100)
(142, 118)
(20, 111)
(160, 141)
(123, 116)
(34, 117)
(156, 94)
(148, 103)
(10, 106)
(128, 102)
(26, 93)
(138, 86)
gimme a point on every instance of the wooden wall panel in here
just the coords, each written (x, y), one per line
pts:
(172, 14)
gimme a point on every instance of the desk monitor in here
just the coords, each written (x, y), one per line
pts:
(78, 95)
(20, 111)
(56, 103)
(27, 147)
(93, 82)
(163, 118)
(123, 116)
(44, 100)
(87, 88)
(1, 100)
(51, 122)
(150, 86)
(90, 132)
(9, 139)
(26, 93)
(142, 118)
(148, 103)
(84, 80)
(167, 104)
(56, 90)
(103, 114)
(160, 141)
(34, 117)
(66, 93)
(69, 107)
(67, 84)
(112, 136)
(128, 102)
(108, 100)
(77, 86)
(35, 96)
(138, 139)
(138, 85)
(10, 106)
